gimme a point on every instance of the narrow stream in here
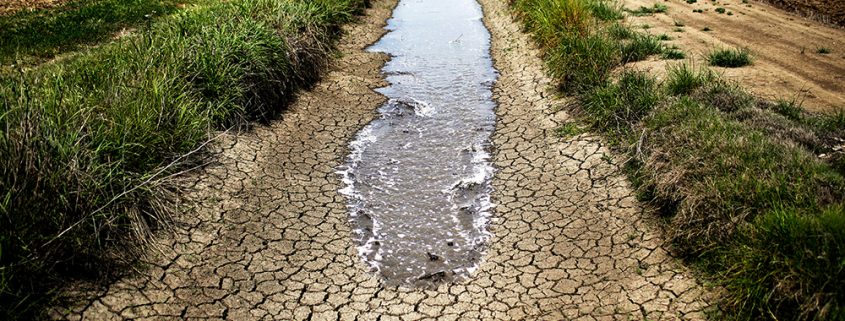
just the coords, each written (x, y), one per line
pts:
(418, 177)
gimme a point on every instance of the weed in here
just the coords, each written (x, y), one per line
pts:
(729, 58)
(823, 50)
(720, 10)
(697, 10)
(678, 30)
(679, 23)
(691, 1)
(664, 37)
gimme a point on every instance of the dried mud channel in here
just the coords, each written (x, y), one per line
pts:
(267, 235)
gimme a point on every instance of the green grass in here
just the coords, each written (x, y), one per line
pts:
(30, 37)
(647, 11)
(729, 58)
(568, 130)
(683, 79)
(619, 31)
(606, 10)
(640, 47)
(614, 107)
(87, 141)
(744, 197)
(823, 50)
(789, 108)
(673, 54)
(720, 10)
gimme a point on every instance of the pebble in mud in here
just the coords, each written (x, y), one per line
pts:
(562, 239)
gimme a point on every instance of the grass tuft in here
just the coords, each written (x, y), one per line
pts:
(647, 11)
(729, 58)
(673, 54)
(606, 10)
(683, 79)
(640, 47)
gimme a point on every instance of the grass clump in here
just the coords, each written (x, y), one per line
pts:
(683, 79)
(729, 58)
(640, 47)
(789, 108)
(647, 11)
(720, 10)
(615, 107)
(87, 142)
(620, 32)
(823, 51)
(673, 54)
(790, 265)
(606, 10)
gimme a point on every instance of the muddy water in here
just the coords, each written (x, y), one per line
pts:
(418, 176)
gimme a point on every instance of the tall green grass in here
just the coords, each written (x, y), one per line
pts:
(744, 195)
(87, 143)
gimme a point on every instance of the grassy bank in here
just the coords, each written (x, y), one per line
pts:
(751, 192)
(87, 143)
(30, 37)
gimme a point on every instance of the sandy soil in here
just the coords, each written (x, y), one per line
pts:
(784, 46)
(12, 6)
(267, 236)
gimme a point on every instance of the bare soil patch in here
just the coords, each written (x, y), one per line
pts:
(794, 57)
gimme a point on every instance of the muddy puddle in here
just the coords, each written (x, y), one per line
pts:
(418, 177)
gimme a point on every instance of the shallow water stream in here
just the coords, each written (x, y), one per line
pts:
(418, 177)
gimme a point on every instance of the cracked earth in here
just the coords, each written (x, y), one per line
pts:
(266, 235)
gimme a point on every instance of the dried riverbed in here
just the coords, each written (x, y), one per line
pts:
(267, 235)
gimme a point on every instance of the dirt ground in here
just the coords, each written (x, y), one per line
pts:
(830, 11)
(12, 6)
(267, 235)
(787, 64)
